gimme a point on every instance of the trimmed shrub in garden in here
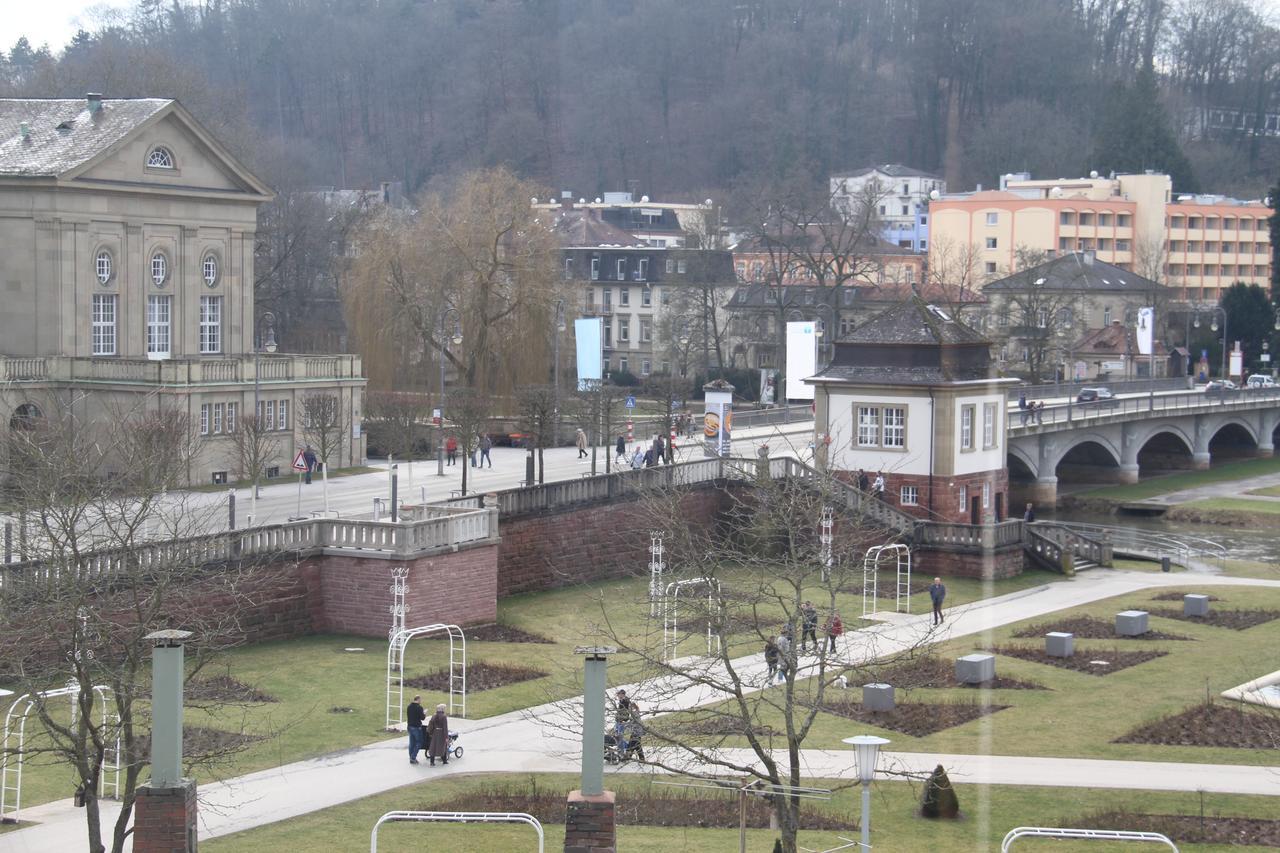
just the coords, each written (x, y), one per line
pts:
(940, 798)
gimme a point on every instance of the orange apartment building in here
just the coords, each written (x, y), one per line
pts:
(1196, 245)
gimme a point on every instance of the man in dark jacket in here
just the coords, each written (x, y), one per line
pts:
(415, 715)
(937, 593)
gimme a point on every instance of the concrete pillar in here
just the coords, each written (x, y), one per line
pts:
(1044, 492)
(589, 818)
(165, 811)
(1129, 473)
(1200, 461)
(1265, 451)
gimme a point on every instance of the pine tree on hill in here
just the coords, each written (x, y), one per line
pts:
(1135, 134)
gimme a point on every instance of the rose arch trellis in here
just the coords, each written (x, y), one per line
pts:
(395, 670)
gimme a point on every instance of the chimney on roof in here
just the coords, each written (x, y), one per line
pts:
(1089, 257)
(94, 101)
(566, 199)
(24, 130)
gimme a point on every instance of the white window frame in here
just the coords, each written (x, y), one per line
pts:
(103, 324)
(103, 267)
(670, 266)
(988, 426)
(642, 269)
(966, 427)
(218, 410)
(210, 325)
(269, 422)
(645, 367)
(209, 269)
(282, 415)
(646, 330)
(893, 427)
(160, 158)
(868, 425)
(232, 411)
(159, 325)
(621, 269)
(682, 266)
(909, 495)
(993, 217)
(159, 268)
(624, 296)
(646, 296)
(624, 330)
(964, 498)
(986, 496)
(993, 243)
(204, 418)
(595, 269)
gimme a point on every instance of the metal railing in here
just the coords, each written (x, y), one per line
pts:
(179, 371)
(1119, 386)
(1180, 548)
(1190, 402)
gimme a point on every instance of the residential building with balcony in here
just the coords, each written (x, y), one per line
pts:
(661, 224)
(900, 195)
(1197, 245)
(128, 266)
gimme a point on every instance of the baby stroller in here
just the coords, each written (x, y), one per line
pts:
(453, 745)
(613, 750)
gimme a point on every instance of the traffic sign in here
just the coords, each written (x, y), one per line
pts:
(631, 402)
(299, 461)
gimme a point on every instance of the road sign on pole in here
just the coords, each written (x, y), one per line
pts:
(299, 461)
(631, 401)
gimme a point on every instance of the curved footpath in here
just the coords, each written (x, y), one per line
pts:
(533, 741)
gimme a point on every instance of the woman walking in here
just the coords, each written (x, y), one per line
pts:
(581, 441)
(438, 736)
(835, 628)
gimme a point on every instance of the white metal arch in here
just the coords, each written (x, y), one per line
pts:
(1083, 834)
(671, 615)
(870, 575)
(11, 772)
(458, 817)
(395, 670)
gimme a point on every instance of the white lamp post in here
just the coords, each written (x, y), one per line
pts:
(868, 749)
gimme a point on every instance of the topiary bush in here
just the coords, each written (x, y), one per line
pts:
(940, 798)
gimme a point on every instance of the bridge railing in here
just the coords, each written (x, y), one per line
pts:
(1083, 544)
(1048, 552)
(1120, 386)
(1190, 401)
(1182, 549)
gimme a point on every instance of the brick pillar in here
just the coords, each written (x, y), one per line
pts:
(164, 819)
(588, 827)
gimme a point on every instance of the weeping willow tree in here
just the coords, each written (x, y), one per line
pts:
(480, 249)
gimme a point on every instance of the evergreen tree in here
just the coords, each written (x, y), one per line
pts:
(1135, 134)
(1273, 223)
(1250, 320)
(939, 798)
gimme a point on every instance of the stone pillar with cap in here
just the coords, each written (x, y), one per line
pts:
(589, 821)
(165, 811)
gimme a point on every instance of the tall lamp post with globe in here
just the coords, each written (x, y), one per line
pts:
(267, 345)
(868, 750)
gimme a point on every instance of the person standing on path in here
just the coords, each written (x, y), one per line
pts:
(835, 628)
(784, 653)
(414, 715)
(863, 482)
(808, 626)
(877, 488)
(621, 716)
(1030, 515)
(486, 444)
(580, 439)
(937, 594)
(620, 449)
(451, 450)
(770, 659)
(309, 459)
(438, 736)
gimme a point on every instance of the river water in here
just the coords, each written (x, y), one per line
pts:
(1241, 543)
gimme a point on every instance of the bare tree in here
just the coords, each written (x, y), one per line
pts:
(1037, 315)
(400, 417)
(256, 443)
(470, 411)
(72, 617)
(325, 426)
(594, 407)
(538, 420)
(953, 278)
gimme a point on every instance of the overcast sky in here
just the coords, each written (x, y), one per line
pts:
(51, 22)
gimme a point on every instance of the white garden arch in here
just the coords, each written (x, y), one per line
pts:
(15, 742)
(671, 614)
(395, 670)
(901, 555)
(457, 817)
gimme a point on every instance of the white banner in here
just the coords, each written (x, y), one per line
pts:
(1236, 363)
(802, 359)
(1146, 330)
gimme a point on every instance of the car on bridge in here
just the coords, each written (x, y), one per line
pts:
(1094, 395)
(1260, 380)
(1218, 386)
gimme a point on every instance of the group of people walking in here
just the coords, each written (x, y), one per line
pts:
(1032, 412)
(873, 487)
(431, 735)
(658, 451)
(628, 730)
(780, 651)
(482, 445)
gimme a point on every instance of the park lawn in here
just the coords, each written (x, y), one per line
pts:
(1132, 564)
(1080, 714)
(1267, 492)
(1239, 469)
(1236, 505)
(1251, 569)
(988, 812)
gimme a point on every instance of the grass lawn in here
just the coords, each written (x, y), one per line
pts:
(1268, 492)
(1236, 505)
(1135, 565)
(1080, 714)
(1237, 470)
(1252, 569)
(987, 813)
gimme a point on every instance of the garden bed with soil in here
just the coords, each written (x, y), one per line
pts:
(480, 676)
(917, 719)
(1083, 661)
(1210, 724)
(499, 633)
(935, 672)
(223, 688)
(1090, 628)
(886, 588)
(1236, 620)
(637, 808)
(724, 727)
(1177, 595)
(1191, 829)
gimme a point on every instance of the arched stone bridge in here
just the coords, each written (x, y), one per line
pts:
(1123, 439)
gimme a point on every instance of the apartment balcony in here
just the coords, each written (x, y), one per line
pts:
(211, 370)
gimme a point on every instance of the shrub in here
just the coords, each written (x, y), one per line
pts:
(940, 798)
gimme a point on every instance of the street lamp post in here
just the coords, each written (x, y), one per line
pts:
(457, 339)
(868, 749)
(268, 345)
(555, 406)
(1213, 326)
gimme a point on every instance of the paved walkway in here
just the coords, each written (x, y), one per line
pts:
(1225, 489)
(527, 741)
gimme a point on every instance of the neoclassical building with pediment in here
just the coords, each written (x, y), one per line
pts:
(126, 279)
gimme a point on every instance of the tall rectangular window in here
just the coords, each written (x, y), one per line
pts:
(622, 269)
(624, 329)
(646, 330)
(966, 427)
(204, 418)
(231, 416)
(282, 414)
(216, 426)
(964, 498)
(682, 266)
(158, 328)
(646, 296)
(269, 420)
(642, 269)
(989, 425)
(624, 296)
(895, 427)
(595, 269)
(868, 426)
(986, 496)
(210, 324)
(104, 324)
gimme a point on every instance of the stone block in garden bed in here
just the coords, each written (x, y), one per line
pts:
(934, 672)
(1089, 628)
(1092, 661)
(1210, 724)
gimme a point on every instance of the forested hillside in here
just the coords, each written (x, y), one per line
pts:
(688, 97)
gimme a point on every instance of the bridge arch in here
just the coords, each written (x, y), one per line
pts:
(1022, 465)
(1164, 448)
(1089, 458)
(1232, 438)
(1087, 444)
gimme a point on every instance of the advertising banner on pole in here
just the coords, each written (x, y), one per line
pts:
(802, 359)
(1146, 330)
(1236, 363)
(768, 393)
(717, 421)
(589, 337)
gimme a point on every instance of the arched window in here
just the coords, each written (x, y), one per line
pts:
(102, 266)
(26, 416)
(160, 158)
(159, 269)
(209, 267)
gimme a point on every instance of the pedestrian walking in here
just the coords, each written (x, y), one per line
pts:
(657, 449)
(937, 594)
(580, 439)
(1022, 406)
(414, 715)
(451, 449)
(634, 746)
(783, 642)
(877, 488)
(621, 716)
(620, 452)
(438, 736)
(863, 481)
(486, 445)
(637, 460)
(1030, 515)
(309, 459)
(808, 626)
(835, 627)
(771, 659)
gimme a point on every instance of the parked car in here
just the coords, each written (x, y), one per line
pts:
(1260, 380)
(1217, 386)
(1094, 395)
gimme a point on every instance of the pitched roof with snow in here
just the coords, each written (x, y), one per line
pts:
(1076, 271)
(585, 229)
(893, 170)
(62, 134)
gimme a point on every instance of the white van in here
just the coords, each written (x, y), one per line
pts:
(1260, 380)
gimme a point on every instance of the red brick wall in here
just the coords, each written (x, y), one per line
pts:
(587, 543)
(946, 493)
(1003, 563)
(164, 819)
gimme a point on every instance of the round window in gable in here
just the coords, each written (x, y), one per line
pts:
(102, 266)
(160, 158)
(159, 269)
(209, 267)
